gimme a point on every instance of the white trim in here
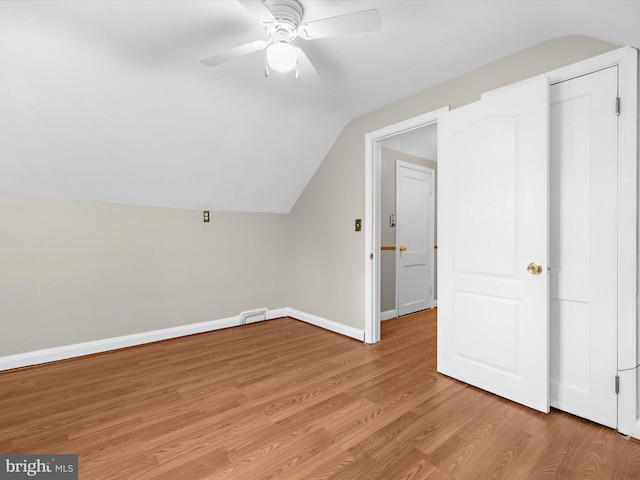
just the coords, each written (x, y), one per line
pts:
(114, 343)
(628, 243)
(336, 327)
(371, 225)
(372, 216)
(583, 67)
(388, 315)
(278, 313)
(590, 65)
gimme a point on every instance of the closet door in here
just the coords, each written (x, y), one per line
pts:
(493, 238)
(584, 250)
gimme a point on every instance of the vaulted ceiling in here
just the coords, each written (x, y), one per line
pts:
(107, 101)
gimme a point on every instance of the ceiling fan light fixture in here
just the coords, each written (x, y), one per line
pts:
(282, 56)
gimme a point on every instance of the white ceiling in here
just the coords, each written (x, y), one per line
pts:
(107, 100)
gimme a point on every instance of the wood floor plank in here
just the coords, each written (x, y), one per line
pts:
(285, 400)
(412, 466)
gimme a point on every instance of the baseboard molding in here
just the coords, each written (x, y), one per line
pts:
(278, 313)
(47, 355)
(388, 315)
(87, 348)
(336, 327)
(635, 434)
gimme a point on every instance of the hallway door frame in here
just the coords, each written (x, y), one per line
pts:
(372, 214)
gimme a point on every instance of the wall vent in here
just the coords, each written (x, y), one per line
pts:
(254, 316)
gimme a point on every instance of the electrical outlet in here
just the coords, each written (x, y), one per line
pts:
(205, 216)
(358, 224)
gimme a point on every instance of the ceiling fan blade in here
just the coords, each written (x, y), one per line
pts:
(307, 71)
(258, 9)
(365, 21)
(235, 52)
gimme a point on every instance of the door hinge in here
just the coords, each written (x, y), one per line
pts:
(617, 384)
(618, 106)
(371, 256)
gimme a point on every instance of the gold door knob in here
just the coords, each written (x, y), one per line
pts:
(403, 249)
(534, 268)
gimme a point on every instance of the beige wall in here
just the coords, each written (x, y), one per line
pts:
(327, 261)
(388, 159)
(74, 272)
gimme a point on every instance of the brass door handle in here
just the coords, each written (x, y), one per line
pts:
(403, 249)
(534, 268)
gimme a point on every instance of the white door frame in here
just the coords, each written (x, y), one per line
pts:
(372, 215)
(627, 61)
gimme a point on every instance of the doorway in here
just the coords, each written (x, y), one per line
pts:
(373, 217)
(407, 223)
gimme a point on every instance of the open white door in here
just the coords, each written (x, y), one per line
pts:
(493, 243)
(414, 237)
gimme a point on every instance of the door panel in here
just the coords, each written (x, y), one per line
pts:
(413, 232)
(583, 214)
(492, 222)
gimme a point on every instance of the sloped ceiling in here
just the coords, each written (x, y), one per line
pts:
(107, 101)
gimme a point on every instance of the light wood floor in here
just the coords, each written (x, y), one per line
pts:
(286, 400)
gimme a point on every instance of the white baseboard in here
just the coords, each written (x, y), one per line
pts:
(336, 327)
(87, 348)
(636, 431)
(114, 343)
(388, 315)
(278, 313)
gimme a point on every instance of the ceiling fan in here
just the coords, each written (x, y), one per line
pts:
(282, 19)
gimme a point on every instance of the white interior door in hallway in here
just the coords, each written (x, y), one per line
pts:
(414, 237)
(583, 249)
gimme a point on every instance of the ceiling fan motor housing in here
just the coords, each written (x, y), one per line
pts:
(288, 15)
